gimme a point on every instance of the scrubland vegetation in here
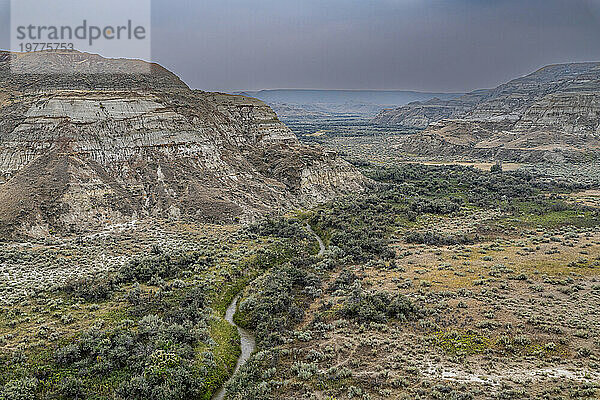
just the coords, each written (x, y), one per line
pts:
(440, 282)
(150, 327)
(443, 282)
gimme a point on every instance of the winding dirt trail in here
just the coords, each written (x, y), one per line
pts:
(248, 344)
(321, 244)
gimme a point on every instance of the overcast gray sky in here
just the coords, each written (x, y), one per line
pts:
(430, 45)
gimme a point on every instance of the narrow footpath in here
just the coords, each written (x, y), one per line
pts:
(248, 342)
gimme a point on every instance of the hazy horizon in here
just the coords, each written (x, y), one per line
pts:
(342, 90)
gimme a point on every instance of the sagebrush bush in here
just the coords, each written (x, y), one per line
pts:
(365, 306)
(20, 389)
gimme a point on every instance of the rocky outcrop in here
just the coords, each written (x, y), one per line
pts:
(574, 113)
(85, 151)
(506, 102)
(551, 113)
(418, 115)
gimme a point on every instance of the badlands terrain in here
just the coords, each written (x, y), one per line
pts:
(137, 215)
(81, 152)
(550, 115)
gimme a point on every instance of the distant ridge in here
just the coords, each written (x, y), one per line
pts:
(551, 114)
(308, 96)
(316, 103)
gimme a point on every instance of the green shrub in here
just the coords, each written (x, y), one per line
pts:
(21, 389)
(433, 238)
(91, 288)
(365, 306)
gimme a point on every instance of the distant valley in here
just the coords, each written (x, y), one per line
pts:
(550, 115)
(308, 103)
(311, 114)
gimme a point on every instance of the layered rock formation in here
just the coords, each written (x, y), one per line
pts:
(552, 114)
(418, 115)
(83, 151)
